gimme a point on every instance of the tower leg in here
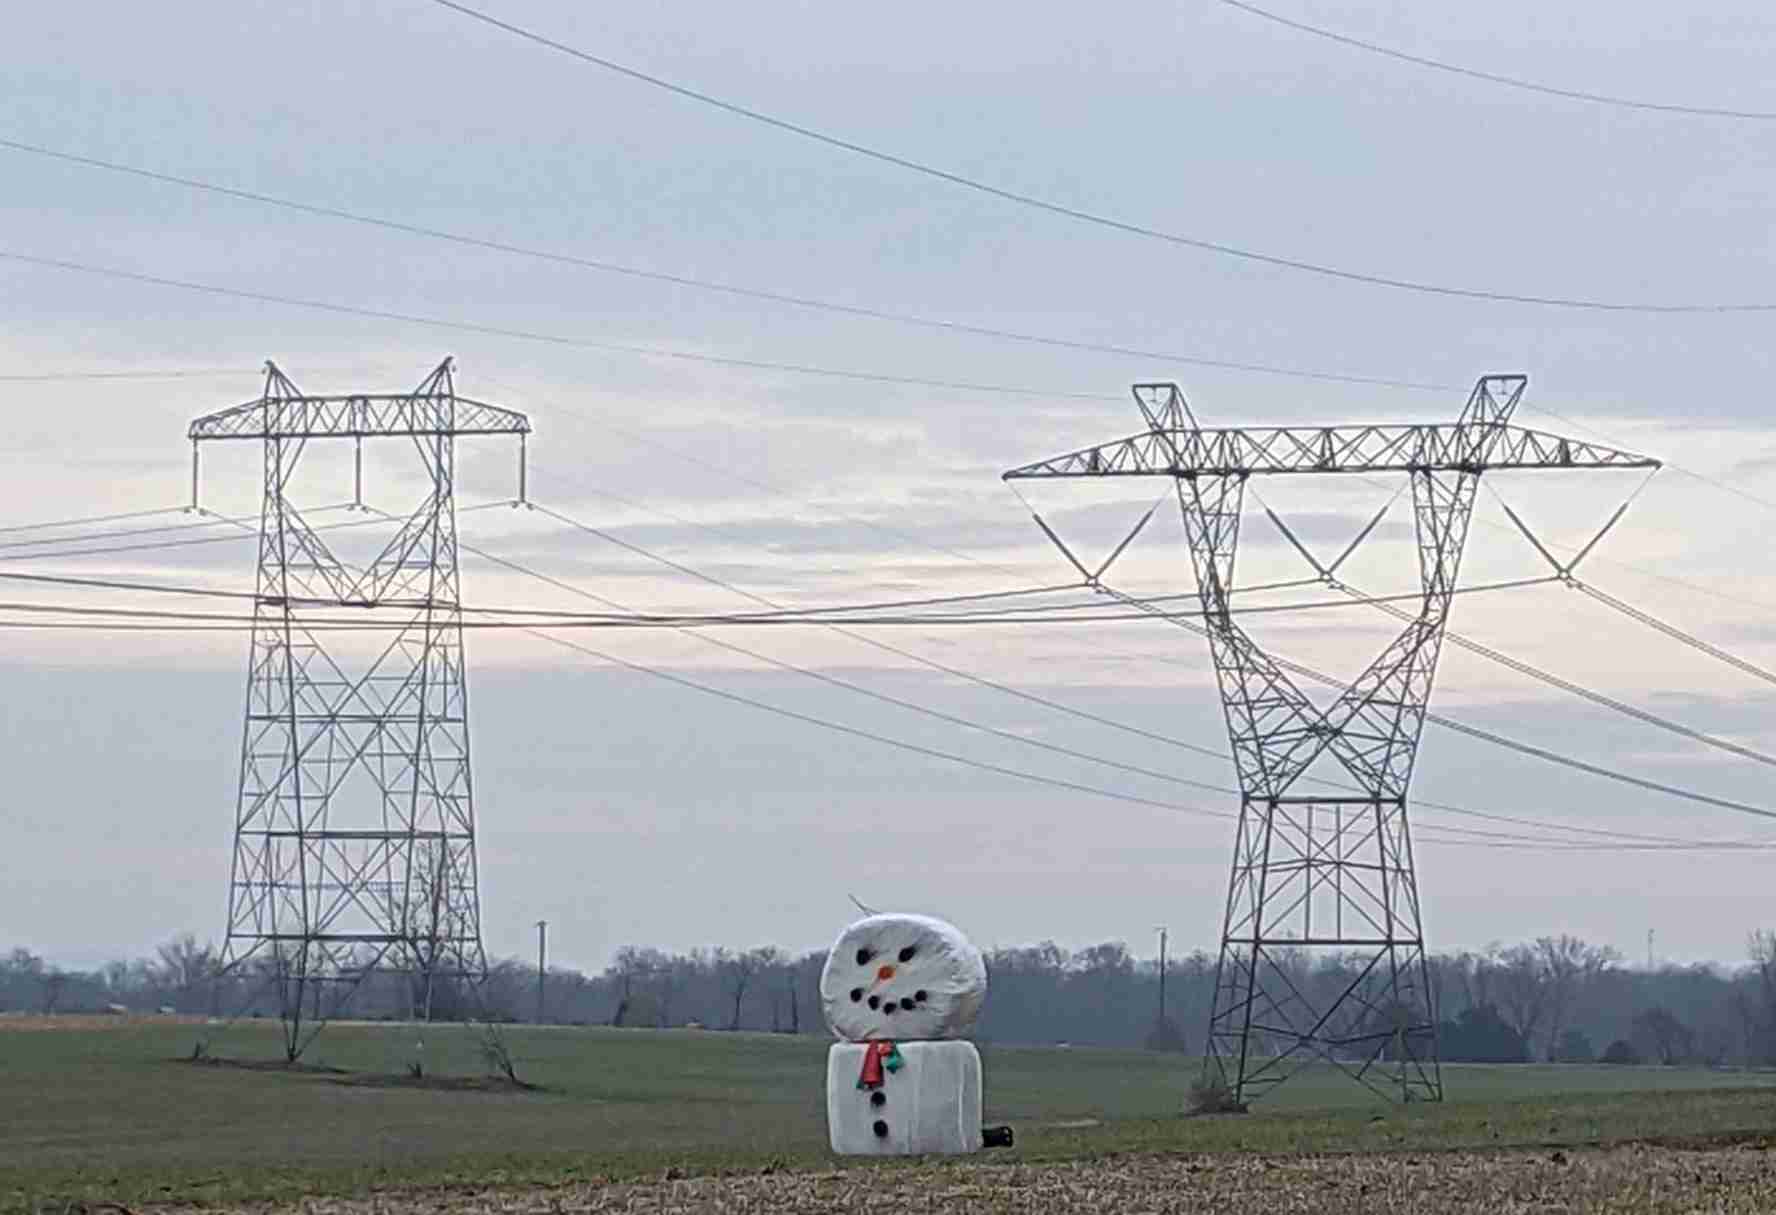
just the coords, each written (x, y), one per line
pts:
(355, 828)
(1322, 957)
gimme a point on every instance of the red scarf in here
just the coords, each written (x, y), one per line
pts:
(877, 1056)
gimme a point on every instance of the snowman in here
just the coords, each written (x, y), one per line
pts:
(900, 991)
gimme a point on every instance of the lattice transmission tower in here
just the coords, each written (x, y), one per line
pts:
(354, 835)
(1320, 872)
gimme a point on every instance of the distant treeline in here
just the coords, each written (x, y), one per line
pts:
(1556, 998)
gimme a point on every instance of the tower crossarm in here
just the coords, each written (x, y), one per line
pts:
(1441, 447)
(361, 417)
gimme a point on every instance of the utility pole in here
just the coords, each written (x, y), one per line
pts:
(542, 963)
(1162, 977)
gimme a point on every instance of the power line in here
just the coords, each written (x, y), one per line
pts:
(1677, 634)
(533, 336)
(1494, 77)
(1075, 213)
(116, 518)
(1389, 605)
(249, 529)
(166, 544)
(824, 616)
(1020, 693)
(1501, 740)
(209, 621)
(56, 377)
(1714, 482)
(110, 534)
(914, 747)
(831, 680)
(744, 292)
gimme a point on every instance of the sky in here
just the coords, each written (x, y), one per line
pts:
(625, 809)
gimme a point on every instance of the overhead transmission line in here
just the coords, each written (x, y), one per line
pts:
(1524, 748)
(82, 522)
(1677, 634)
(693, 624)
(111, 534)
(700, 284)
(1096, 219)
(926, 710)
(1142, 605)
(59, 376)
(529, 335)
(738, 290)
(138, 614)
(988, 683)
(844, 684)
(1047, 702)
(1490, 736)
(1514, 82)
(81, 549)
(1714, 482)
(1390, 605)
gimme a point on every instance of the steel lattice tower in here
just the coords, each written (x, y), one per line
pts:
(354, 840)
(1314, 873)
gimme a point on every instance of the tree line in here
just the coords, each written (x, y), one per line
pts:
(1554, 999)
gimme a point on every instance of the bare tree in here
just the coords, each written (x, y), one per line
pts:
(55, 982)
(630, 966)
(795, 1002)
(1519, 983)
(1762, 1021)
(183, 968)
(737, 971)
(1474, 972)
(1568, 967)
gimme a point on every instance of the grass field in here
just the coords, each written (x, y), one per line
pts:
(111, 1112)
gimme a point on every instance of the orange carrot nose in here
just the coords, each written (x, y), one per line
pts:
(885, 973)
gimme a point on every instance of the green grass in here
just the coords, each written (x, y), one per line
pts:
(112, 1113)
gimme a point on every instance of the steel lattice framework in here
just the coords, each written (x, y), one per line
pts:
(354, 842)
(1312, 872)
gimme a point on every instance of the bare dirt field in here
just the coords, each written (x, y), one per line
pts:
(1630, 1178)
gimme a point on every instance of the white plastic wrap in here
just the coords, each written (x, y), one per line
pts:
(929, 1104)
(902, 978)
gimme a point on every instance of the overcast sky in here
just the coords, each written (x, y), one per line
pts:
(625, 809)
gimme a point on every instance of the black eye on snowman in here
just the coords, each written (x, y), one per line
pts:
(864, 955)
(906, 955)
